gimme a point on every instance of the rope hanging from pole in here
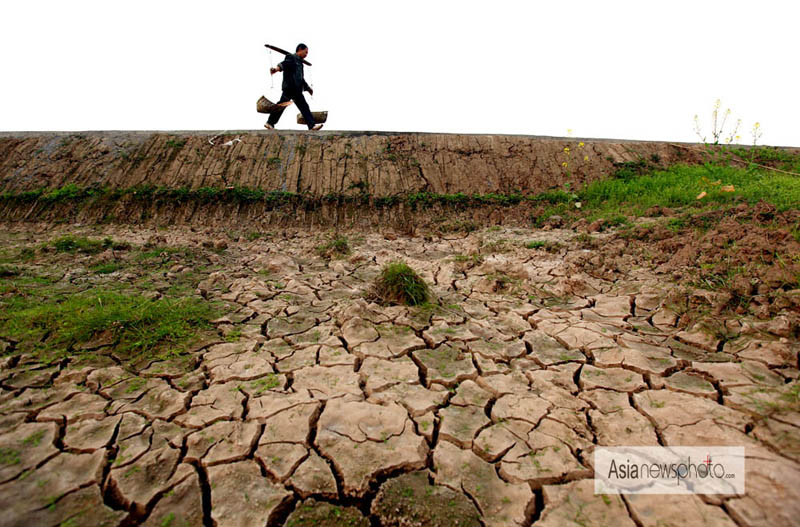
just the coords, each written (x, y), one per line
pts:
(271, 80)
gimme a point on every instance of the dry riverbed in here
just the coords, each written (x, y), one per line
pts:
(304, 403)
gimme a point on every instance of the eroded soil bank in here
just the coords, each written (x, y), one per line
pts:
(383, 164)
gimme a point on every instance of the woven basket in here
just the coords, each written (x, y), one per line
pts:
(264, 105)
(319, 117)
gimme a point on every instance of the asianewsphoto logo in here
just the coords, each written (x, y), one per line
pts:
(677, 471)
(669, 470)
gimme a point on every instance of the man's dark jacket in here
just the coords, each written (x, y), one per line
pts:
(293, 81)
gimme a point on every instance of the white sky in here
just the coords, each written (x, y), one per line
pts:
(618, 69)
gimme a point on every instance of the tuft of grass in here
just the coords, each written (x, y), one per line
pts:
(549, 246)
(26, 254)
(796, 233)
(458, 226)
(9, 456)
(166, 521)
(559, 209)
(264, 384)
(7, 271)
(234, 335)
(338, 246)
(471, 259)
(34, 439)
(165, 253)
(106, 268)
(400, 284)
(497, 246)
(537, 244)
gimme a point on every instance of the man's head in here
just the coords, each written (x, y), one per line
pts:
(302, 51)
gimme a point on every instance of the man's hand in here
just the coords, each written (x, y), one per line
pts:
(273, 71)
(310, 92)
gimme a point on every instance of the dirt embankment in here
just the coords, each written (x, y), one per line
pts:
(744, 257)
(382, 164)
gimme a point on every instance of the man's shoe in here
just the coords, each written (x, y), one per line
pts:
(317, 127)
(269, 126)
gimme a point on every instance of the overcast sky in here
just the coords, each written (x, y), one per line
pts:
(617, 69)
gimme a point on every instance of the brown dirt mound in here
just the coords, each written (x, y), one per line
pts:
(749, 254)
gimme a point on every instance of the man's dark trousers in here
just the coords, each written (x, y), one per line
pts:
(302, 105)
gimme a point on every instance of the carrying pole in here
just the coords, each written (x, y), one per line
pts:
(279, 50)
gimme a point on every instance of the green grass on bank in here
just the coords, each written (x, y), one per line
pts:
(680, 185)
(629, 193)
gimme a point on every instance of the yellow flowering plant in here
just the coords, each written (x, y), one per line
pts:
(567, 153)
(717, 126)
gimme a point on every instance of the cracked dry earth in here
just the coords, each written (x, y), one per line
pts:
(331, 410)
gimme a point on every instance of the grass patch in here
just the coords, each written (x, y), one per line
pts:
(538, 244)
(554, 197)
(543, 244)
(337, 247)
(9, 456)
(26, 254)
(497, 246)
(106, 268)
(458, 226)
(68, 192)
(137, 328)
(400, 284)
(8, 271)
(471, 259)
(796, 233)
(767, 155)
(234, 335)
(679, 186)
(165, 253)
(561, 209)
(709, 279)
(72, 244)
(269, 382)
(176, 143)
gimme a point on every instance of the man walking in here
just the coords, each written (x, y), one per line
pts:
(293, 87)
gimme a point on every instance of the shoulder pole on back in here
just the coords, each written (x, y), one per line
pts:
(279, 50)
